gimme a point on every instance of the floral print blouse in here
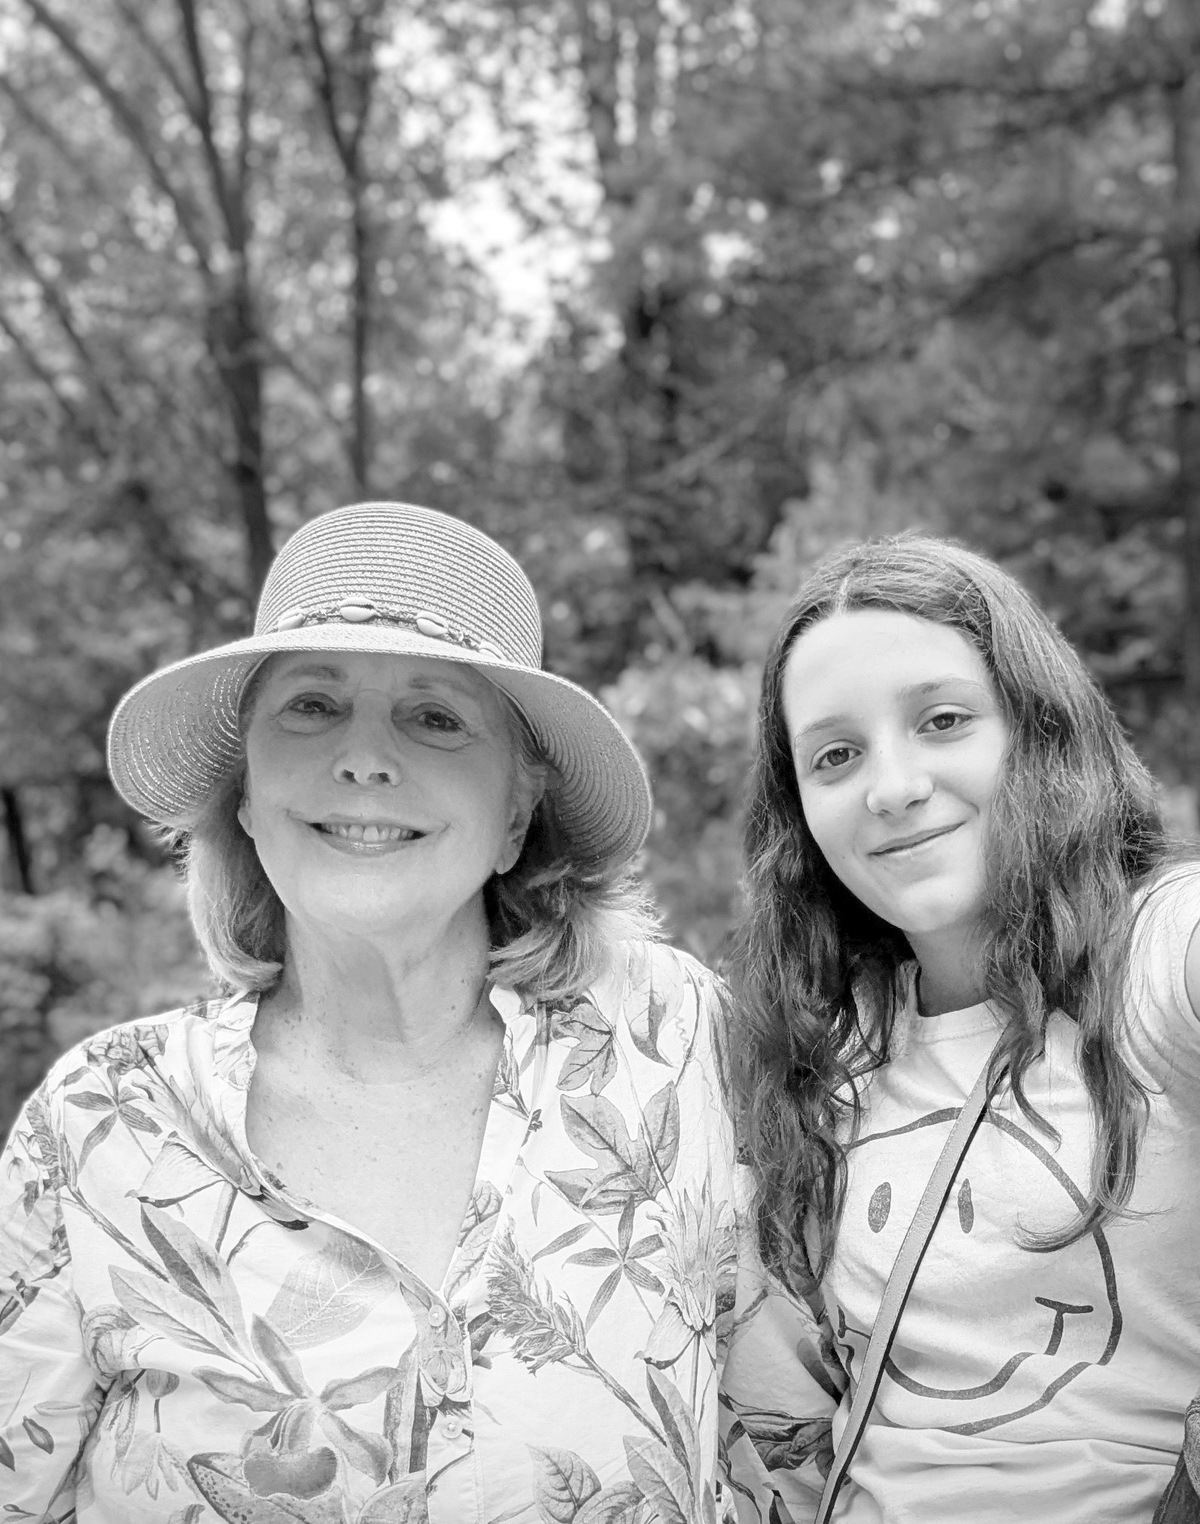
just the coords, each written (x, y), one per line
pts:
(185, 1340)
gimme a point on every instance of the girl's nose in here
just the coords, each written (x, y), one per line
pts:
(898, 781)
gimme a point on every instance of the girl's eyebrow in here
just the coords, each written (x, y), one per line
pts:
(835, 722)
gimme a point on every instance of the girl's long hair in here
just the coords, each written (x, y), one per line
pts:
(1074, 826)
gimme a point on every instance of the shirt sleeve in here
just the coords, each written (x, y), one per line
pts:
(1164, 1031)
(780, 1387)
(49, 1395)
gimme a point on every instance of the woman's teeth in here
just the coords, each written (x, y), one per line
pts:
(372, 835)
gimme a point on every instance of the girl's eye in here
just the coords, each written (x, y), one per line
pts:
(833, 757)
(946, 719)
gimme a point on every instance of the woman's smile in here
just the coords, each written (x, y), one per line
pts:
(366, 838)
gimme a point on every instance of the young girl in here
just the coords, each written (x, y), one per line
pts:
(956, 860)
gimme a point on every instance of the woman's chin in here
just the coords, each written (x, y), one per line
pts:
(363, 909)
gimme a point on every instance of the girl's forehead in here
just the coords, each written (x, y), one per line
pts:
(851, 632)
(867, 653)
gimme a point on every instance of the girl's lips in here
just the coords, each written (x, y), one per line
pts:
(908, 843)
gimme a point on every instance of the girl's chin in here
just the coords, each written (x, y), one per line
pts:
(932, 919)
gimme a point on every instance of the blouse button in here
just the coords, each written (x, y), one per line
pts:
(437, 1315)
(452, 1428)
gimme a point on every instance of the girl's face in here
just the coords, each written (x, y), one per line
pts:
(898, 739)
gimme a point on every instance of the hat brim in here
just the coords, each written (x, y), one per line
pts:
(175, 735)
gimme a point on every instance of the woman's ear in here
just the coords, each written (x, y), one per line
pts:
(243, 815)
(528, 788)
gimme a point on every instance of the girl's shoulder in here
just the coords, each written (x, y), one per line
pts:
(1174, 882)
(1166, 913)
(1163, 975)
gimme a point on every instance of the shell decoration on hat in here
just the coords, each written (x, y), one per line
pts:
(366, 611)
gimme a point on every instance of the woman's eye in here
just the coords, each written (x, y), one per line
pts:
(440, 720)
(311, 704)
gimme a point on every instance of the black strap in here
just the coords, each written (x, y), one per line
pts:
(895, 1293)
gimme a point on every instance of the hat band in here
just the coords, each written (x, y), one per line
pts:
(367, 611)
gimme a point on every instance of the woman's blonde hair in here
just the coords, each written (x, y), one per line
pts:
(555, 922)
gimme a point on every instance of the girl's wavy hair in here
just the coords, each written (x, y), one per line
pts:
(555, 922)
(1074, 825)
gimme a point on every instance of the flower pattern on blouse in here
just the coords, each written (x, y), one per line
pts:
(184, 1340)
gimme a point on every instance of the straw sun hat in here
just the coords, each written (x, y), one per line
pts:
(398, 580)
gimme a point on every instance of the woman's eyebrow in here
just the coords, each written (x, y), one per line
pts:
(425, 682)
(315, 669)
(429, 682)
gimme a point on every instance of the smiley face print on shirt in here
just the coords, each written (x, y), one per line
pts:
(992, 1333)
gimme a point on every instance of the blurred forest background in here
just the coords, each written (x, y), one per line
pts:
(668, 295)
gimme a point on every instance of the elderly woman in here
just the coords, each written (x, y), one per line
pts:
(434, 1215)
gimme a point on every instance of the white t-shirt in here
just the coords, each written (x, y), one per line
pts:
(1028, 1386)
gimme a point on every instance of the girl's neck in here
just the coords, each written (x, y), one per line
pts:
(950, 975)
(934, 999)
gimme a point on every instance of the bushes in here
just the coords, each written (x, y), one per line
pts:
(71, 962)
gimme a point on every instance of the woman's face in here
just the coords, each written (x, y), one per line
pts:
(381, 790)
(898, 739)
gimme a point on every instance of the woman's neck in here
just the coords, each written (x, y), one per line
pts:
(372, 1010)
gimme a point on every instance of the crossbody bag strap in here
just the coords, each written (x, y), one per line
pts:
(899, 1284)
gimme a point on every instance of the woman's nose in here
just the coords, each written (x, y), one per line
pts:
(368, 754)
(897, 781)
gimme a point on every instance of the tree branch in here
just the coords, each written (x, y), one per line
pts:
(59, 306)
(326, 84)
(80, 424)
(234, 228)
(134, 20)
(244, 114)
(131, 125)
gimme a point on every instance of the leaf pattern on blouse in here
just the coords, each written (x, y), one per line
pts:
(184, 1340)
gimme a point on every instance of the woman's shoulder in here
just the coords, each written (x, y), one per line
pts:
(114, 1053)
(658, 998)
(649, 972)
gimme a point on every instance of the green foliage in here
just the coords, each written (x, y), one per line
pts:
(80, 959)
(810, 272)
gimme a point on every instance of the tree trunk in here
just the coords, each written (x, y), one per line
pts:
(360, 444)
(18, 846)
(235, 343)
(1185, 260)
